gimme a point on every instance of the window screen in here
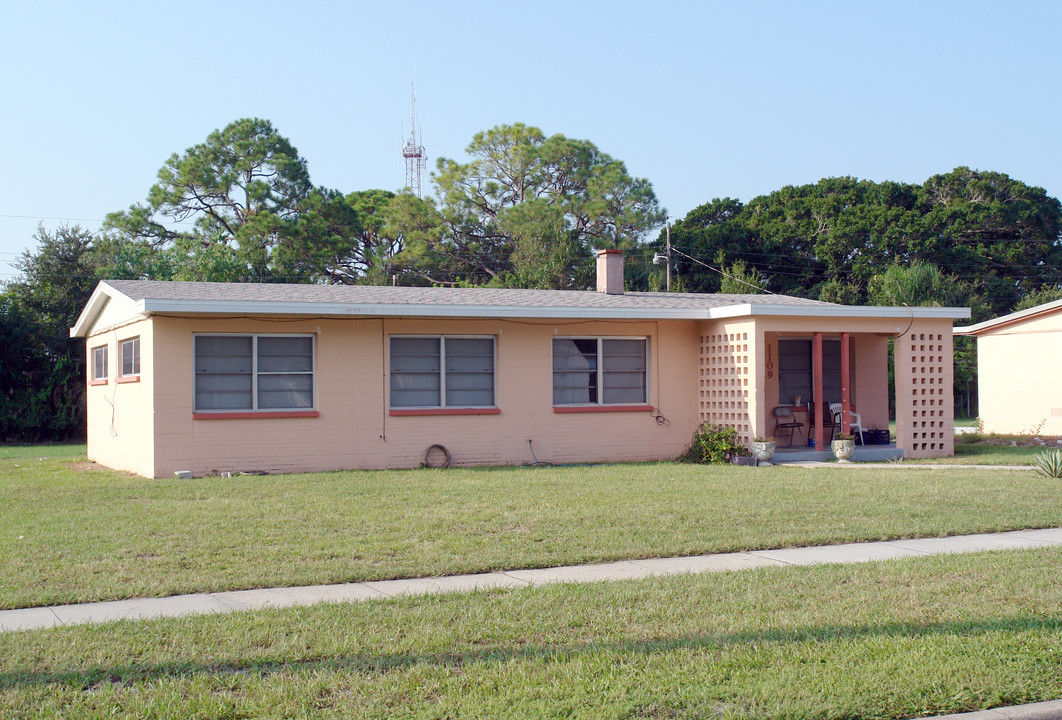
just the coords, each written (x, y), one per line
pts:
(606, 371)
(247, 372)
(442, 372)
(131, 357)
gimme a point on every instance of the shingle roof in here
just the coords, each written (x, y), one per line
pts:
(242, 299)
(266, 293)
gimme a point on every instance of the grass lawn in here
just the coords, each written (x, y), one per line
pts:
(880, 640)
(71, 534)
(981, 453)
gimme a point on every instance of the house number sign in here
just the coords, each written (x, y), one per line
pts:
(770, 363)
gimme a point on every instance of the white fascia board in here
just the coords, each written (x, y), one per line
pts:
(213, 307)
(99, 298)
(1011, 318)
(842, 311)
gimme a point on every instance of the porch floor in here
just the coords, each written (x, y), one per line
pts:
(863, 453)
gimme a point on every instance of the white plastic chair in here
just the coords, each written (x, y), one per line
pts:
(855, 421)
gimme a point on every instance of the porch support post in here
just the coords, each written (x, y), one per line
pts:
(846, 393)
(816, 380)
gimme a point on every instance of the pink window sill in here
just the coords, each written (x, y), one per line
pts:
(255, 415)
(127, 379)
(98, 382)
(601, 408)
(444, 411)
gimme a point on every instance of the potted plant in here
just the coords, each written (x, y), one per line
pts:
(742, 457)
(763, 450)
(843, 446)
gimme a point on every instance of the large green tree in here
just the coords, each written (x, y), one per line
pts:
(238, 206)
(527, 209)
(42, 370)
(828, 240)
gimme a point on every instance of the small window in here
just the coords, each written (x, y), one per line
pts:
(254, 372)
(442, 371)
(130, 354)
(600, 371)
(99, 363)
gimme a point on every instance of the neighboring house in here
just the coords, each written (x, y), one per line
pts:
(1019, 387)
(238, 377)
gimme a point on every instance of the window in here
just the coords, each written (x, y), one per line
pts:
(254, 372)
(600, 371)
(795, 376)
(442, 372)
(99, 364)
(129, 350)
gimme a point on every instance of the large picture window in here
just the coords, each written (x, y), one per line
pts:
(442, 372)
(600, 371)
(254, 372)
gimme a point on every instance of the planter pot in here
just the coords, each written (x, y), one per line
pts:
(843, 449)
(742, 460)
(763, 451)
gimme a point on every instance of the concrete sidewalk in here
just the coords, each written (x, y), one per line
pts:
(1051, 710)
(225, 602)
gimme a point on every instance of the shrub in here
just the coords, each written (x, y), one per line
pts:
(713, 444)
(1049, 462)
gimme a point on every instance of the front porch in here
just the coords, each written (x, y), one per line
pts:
(809, 367)
(863, 453)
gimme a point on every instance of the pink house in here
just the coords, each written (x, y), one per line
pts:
(211, 377)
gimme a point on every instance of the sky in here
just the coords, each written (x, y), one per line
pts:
(705, 99)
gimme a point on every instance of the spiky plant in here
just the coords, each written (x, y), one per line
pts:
(1049, 462)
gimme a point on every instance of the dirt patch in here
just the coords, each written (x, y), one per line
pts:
(84, 466)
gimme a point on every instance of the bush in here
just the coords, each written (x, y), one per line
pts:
(713, 444)
(1049, 463)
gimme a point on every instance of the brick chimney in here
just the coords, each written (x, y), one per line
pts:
(610, 271)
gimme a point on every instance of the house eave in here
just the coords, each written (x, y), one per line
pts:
(1005, 320)
(242, 308)
(842, 311)
(103, 294)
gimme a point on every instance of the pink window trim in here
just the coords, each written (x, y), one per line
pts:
(601, 408)
(101, 381)
(244, 415)
(127, 378)
(445, 411)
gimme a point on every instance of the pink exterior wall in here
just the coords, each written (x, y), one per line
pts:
(925, 405)
(1019, 385)
(727, 382)
(355, 430)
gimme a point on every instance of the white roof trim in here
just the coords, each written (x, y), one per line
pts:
(1008, 319)
(245, 307)
(843, 311)
(103, 294)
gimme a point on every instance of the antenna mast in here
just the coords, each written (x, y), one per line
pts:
(413, 152)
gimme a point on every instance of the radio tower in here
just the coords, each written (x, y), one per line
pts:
(413, 152)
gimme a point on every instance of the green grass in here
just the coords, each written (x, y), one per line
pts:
(879, 640)
(985, 454)
(75, 535)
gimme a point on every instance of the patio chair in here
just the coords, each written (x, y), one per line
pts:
(827, 419)
(855, 421)
(784, 419)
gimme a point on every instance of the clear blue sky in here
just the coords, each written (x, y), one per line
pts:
(705, 99)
